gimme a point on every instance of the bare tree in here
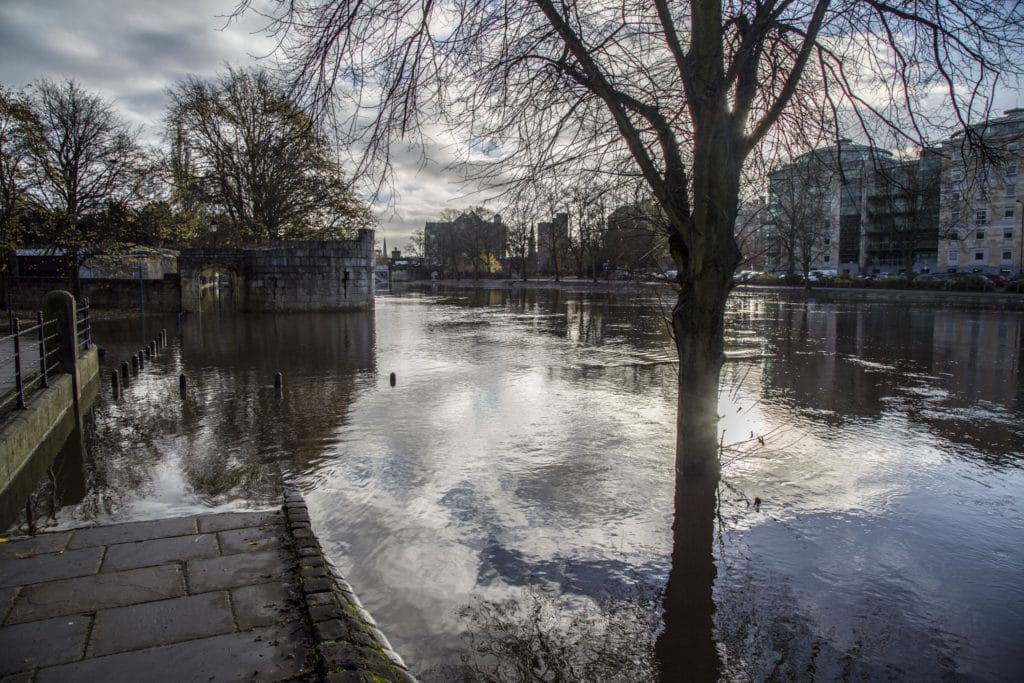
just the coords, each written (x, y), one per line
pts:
(903, 211)
(240, 147)
(802, 194)
(686, 91)
(414, 246)
(86, 164)
(16, 123)
(520, 218)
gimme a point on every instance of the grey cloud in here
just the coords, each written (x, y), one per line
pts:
(132, 52)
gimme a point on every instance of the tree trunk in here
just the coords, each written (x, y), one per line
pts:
(698, 321)
(686, 649)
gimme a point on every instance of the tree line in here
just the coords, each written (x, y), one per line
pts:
(239, 163)
(605, 228)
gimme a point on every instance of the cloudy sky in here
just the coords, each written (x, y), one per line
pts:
(131, 52)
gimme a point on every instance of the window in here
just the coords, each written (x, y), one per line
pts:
(1011, 170)
(1011, 190)
(981, 217)
(955, 216)
(979, 234)
(957, 195)
(1012, 147)
(958, 175)
(1008, 212)
(828, 240)
(983, 192)
(953, 254)
(1007, 255)
(827, 258)
(1008, 233)
(979, 255)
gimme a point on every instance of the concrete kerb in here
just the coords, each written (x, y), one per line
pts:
(348, 644)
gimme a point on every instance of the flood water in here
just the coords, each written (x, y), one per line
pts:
(526, 449)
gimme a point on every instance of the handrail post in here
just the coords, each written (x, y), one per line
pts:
(88, 324)
(42, 349)
(18, 384)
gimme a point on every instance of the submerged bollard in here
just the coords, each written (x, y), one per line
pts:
(135, 363)
(182, 385)
(393, 379)
(115, 383)
(163, 336)
(124, 373)
(142, 363)
(278, 382)
(152, 348)
(145, 351)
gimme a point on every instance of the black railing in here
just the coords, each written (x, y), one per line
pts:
(29, 356)
(27, 361)
(84, 326)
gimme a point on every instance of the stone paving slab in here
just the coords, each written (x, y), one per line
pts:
(159, 551)
(6, 600)
(231, 571)
(19, 548)
(50, 566)
(42, 643)
(132, 531)
(226, 596)
(157, 623)
(238, 520)
(250, 539)
(89, 593)
(265, 654)
(264, 604)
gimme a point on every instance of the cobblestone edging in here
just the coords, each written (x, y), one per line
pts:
(349, 646)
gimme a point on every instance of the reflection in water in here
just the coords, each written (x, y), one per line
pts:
(528, 443)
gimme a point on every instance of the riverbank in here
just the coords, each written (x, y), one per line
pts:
(228, 596)
(931, 297)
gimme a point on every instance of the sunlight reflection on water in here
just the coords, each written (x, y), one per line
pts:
(528, 441)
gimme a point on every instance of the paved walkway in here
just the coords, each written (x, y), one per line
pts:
(219, 597)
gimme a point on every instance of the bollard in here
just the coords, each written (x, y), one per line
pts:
(182, 385)
(142, 363)
(135, 363)
(115, 383)
(152, 349)
(146, 352)
(393, 379)
(124, 373)
(279, 382)
(163, 336)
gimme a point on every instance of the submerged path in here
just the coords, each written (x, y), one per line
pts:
(218, 597)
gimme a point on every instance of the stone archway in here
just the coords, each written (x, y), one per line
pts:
(220, 289)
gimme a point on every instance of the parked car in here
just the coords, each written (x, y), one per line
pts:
(936, 277)
(998, 279)
(970, 282)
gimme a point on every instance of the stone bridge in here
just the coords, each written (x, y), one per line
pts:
(282, 276)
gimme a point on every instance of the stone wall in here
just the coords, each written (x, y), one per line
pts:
(30, 438)
(161, 296)
(285, 276)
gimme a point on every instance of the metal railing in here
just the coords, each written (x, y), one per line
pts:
(84, 326)
(28, 356)
(27, 361)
